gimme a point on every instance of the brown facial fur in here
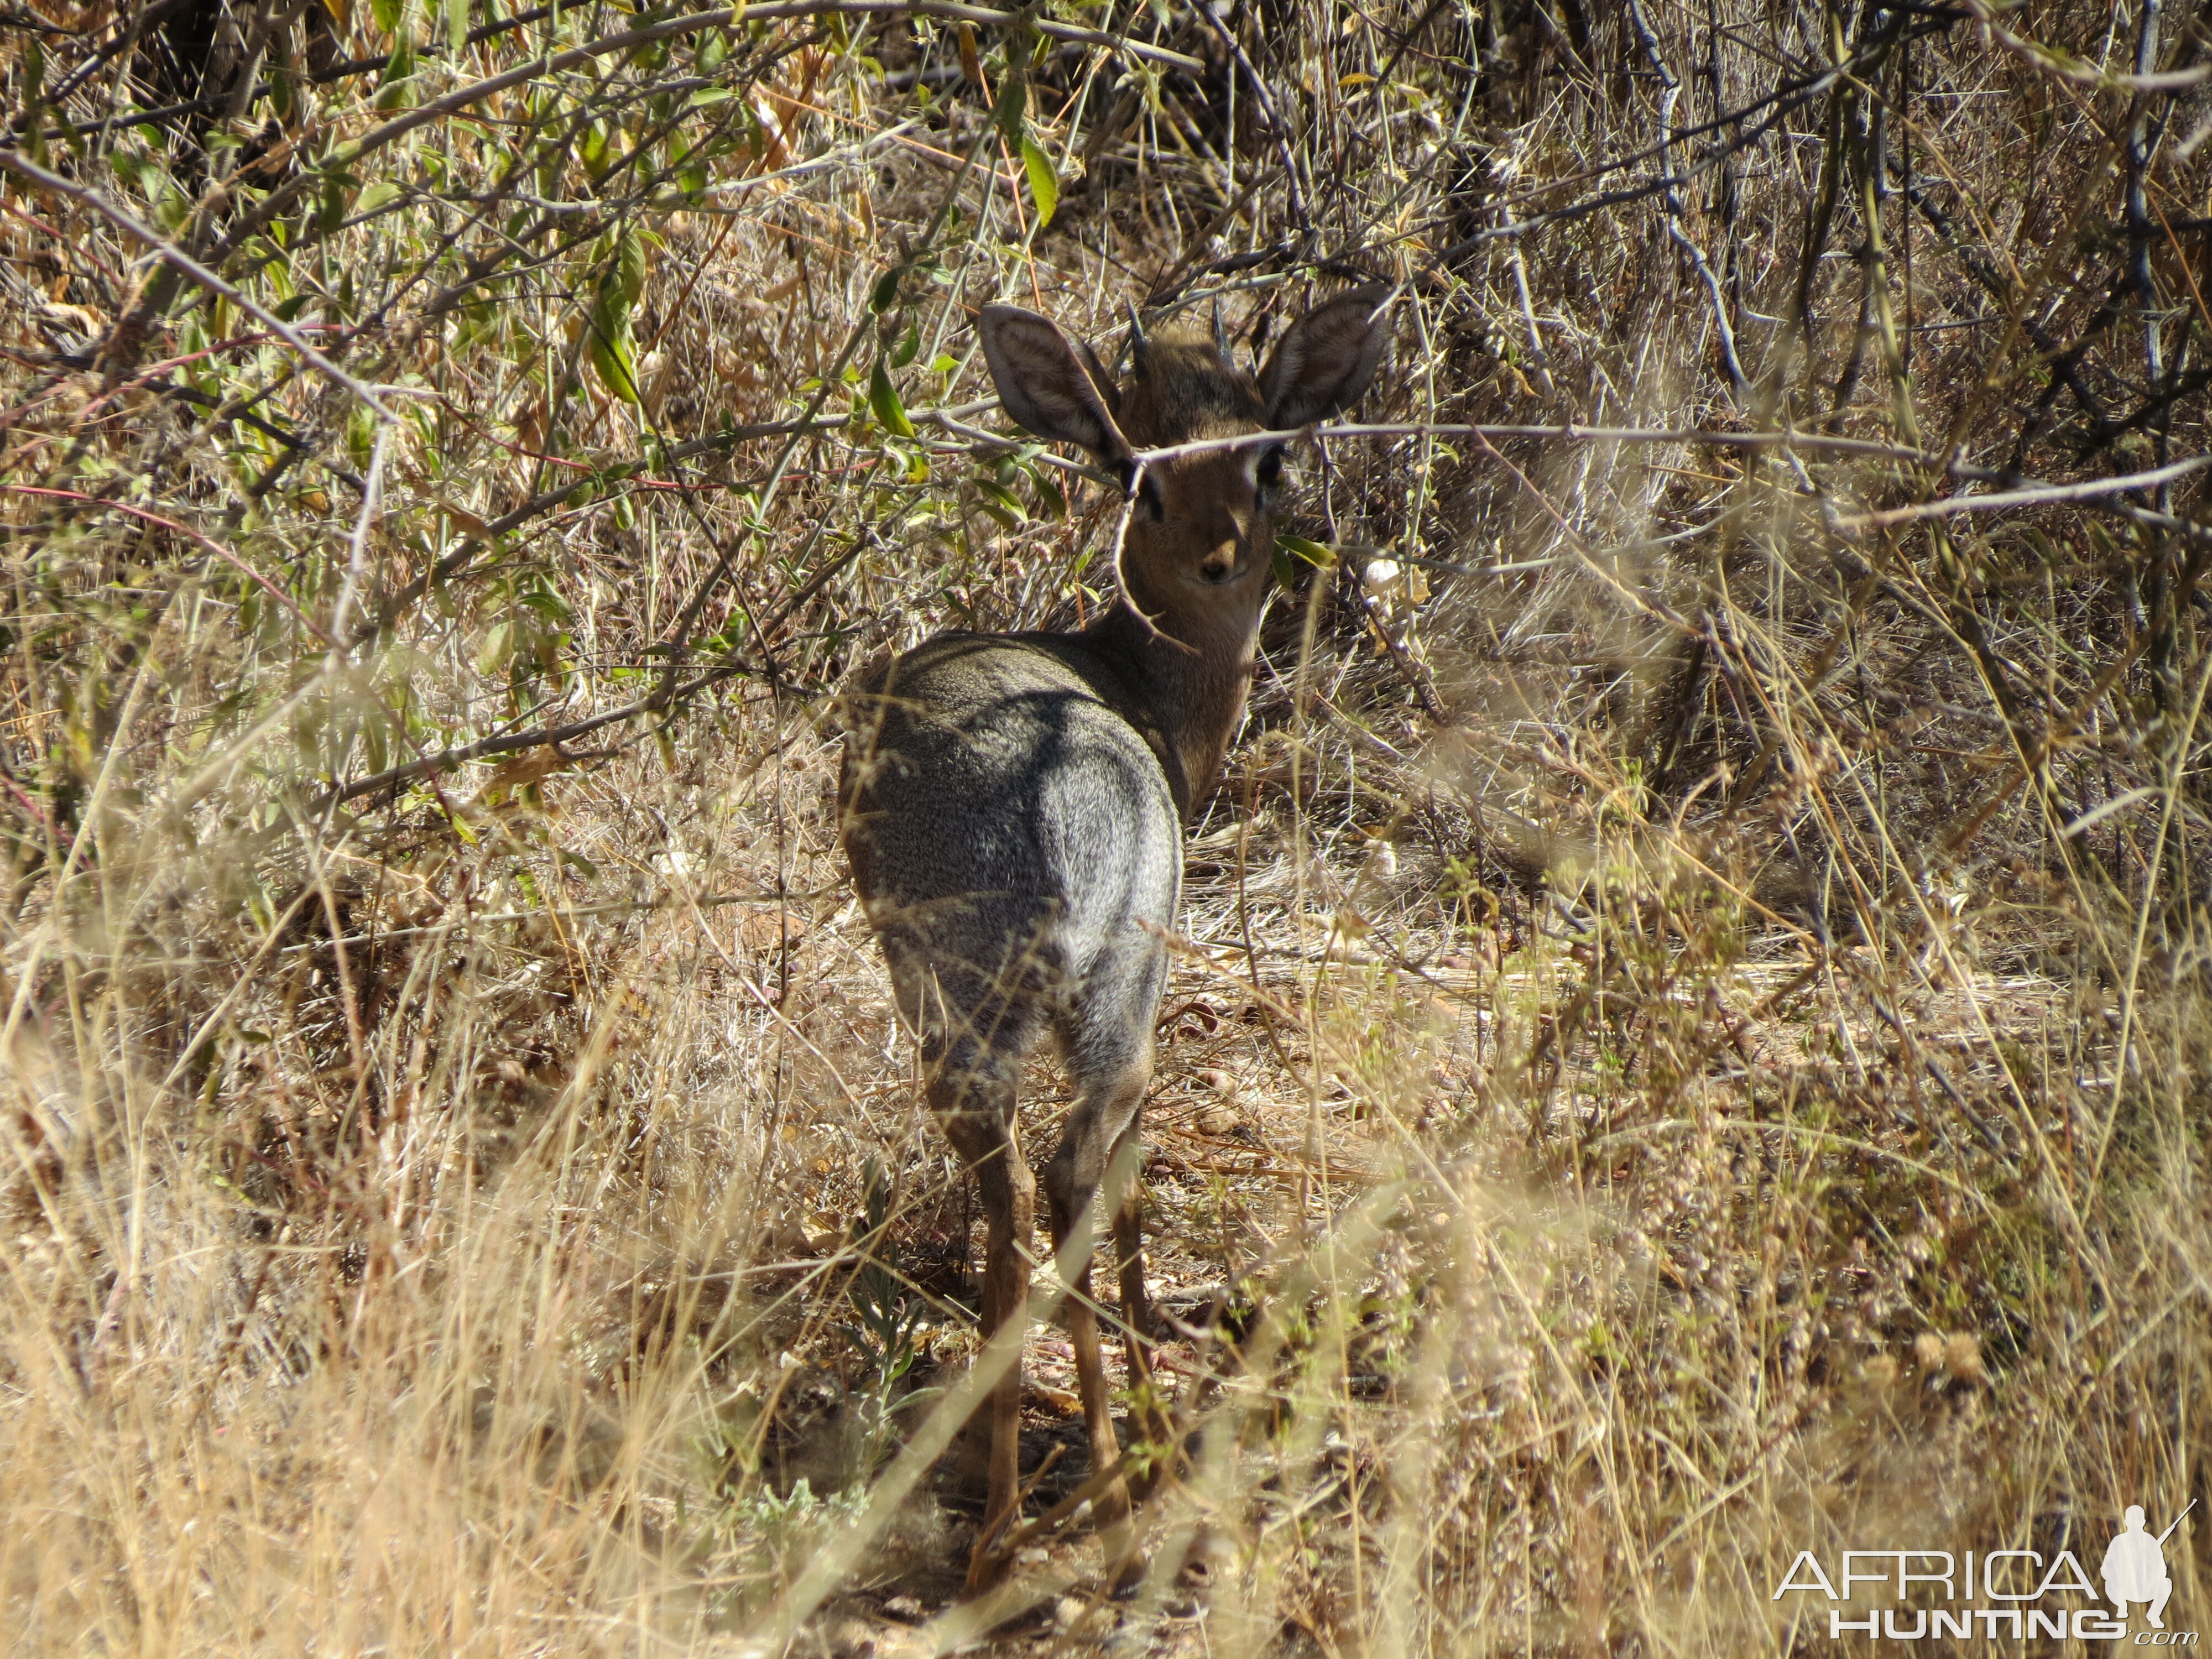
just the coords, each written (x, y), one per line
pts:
(1195, 554)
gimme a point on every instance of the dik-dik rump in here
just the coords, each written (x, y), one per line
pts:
(1013, 803)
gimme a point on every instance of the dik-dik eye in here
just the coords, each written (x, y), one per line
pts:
(1268, 474)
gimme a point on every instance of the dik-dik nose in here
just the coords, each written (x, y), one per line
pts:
(1219, 565)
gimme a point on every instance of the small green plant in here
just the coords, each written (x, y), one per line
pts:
(768, 1539)
(886, 1328)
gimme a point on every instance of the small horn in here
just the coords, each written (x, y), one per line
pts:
(1138, 342)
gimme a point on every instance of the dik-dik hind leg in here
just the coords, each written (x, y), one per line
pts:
(1108, 1034)
(976, 1110)
(1077, 1195)
(1148, 1421)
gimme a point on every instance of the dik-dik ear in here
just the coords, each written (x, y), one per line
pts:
(1045, 384)
(1325, 359)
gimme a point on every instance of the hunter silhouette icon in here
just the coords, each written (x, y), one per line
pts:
(2135, 1566)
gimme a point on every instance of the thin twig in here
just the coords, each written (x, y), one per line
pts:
(171, 254)
(2040, 495)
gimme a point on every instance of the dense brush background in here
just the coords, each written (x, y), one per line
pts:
(1691, 1036)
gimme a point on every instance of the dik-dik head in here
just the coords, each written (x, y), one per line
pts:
(1201, 531)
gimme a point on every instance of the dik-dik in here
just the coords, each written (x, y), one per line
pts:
(1013, 803)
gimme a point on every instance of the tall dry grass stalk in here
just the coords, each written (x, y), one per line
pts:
(1688, 1042)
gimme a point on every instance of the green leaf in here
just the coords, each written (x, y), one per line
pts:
(613, 351)
(614, 360)
(908, 348)
(1001, 504)
(388, 13)
(883, 399)
(546, 603)
(1013, 99)
(32, 78)
(1292, 550)
(1044, 183)
(395, 88)
(886, 291)
(376, 196)
(592, 150)
(630, 264)
(456, 26)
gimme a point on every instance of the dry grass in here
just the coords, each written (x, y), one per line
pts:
(1689, 1038)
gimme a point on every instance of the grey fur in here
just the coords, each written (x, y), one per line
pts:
(1013, 837)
